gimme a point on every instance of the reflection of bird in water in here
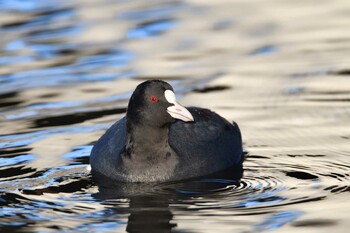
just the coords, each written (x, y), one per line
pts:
(149, 203)
(149, 214)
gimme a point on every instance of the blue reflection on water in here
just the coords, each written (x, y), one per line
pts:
(266, 200)
(55, 77)
(78, 152)
(264, 50)
(57, 33)
(156, 12)
(100, 227)
(278, 220)
(23, 5)
(15, 45)
(47, 16)
(7, 161)
(150, 29)
(15, 60)
(53, 49)
(16, 140)
(69, 104)
(57, 105)
(114, 59)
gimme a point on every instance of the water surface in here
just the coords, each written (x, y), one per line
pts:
(278, 68)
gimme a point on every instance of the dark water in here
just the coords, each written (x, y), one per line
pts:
(279, 68)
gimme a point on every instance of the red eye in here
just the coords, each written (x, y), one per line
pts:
(154, 99)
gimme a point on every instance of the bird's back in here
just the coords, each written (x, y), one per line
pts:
(207, 145)
(106, 154)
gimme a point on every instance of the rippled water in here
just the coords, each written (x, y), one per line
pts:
(279, 68)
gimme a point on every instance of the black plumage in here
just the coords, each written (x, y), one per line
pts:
(150, 145)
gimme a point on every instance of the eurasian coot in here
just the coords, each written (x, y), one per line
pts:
(160, 140)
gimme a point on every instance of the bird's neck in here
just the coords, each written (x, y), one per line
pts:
(147, 139)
